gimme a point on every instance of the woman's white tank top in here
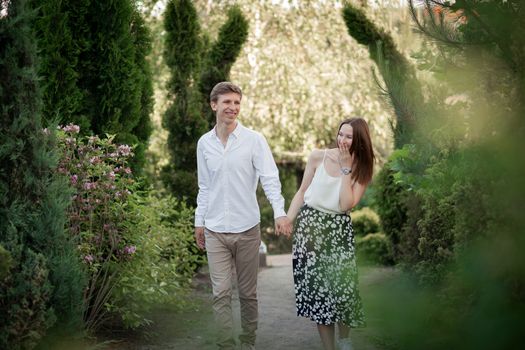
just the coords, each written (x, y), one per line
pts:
(323, 192)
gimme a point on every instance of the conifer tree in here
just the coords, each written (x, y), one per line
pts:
(195, 70)
(62, 37)
(94, 69)
(183, 119)
(111, 75)
(222, 56)
(402, 87)
(404, 94)
(495, 27)
(143, 129)
(43, 286)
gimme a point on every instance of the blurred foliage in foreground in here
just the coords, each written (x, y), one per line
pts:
(451, 200)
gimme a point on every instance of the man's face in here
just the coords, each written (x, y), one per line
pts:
(227, 108)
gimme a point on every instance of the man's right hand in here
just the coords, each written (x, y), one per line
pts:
(283, 225)
(199, 237)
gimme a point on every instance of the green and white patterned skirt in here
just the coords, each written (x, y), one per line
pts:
(324, 269)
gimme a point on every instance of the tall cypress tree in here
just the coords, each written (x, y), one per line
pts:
(94, 68)
(405, 96)
(195, 69)
(61, 31)
(143, 129)
(43, 286)
(183, 50)
(222, 56)
(402, 87)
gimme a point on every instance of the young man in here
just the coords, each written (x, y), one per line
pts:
(231, 159)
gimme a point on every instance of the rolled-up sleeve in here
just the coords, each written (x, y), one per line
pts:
(203, 177)
(268, 175)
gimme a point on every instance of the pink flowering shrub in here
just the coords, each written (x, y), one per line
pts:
(101, 182)
(137, 246)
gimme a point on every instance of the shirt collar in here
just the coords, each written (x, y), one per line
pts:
(236, 132)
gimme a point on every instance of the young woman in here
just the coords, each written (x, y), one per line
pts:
(324, 264)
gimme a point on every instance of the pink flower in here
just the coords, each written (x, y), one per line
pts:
(88, 259)
(130, 249)
(72, 128)
(111, 175)
(124, 150)
(90, 185)
(127, 171)
(74, 179)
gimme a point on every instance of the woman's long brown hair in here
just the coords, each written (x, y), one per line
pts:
(361, 148)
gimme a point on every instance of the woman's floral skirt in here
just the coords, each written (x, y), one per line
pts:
(324, 269)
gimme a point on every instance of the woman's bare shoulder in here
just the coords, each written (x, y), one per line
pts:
(316, 156)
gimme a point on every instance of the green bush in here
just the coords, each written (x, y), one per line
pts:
(364, 221)
(5, 262)
(102, 184)
(390, 204)
(164, 260)
(137, 247)
(94, 71)
(374, 249)
(42, 288)
(25, 297)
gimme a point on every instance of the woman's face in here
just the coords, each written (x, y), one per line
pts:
(344, 137)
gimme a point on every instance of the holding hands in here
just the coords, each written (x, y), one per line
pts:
(283, 225)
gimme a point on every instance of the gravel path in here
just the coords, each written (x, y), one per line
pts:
(279, 327)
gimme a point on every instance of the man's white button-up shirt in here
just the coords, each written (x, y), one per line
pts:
(228, 178)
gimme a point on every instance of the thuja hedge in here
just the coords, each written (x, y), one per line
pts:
(93, 69)
(431, 213)
(40, 286)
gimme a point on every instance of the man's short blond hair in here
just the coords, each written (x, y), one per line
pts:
(222, 88)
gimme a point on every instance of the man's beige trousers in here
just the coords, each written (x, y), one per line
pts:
(226, 251)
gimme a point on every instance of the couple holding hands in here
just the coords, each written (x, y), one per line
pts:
(231, 160)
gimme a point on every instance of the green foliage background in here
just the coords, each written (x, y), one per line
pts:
(450, 195)
(41, 286)
(93, 68)
(300, 74)
(196, 65)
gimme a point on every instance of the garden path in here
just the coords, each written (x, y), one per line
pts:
(279, 327)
